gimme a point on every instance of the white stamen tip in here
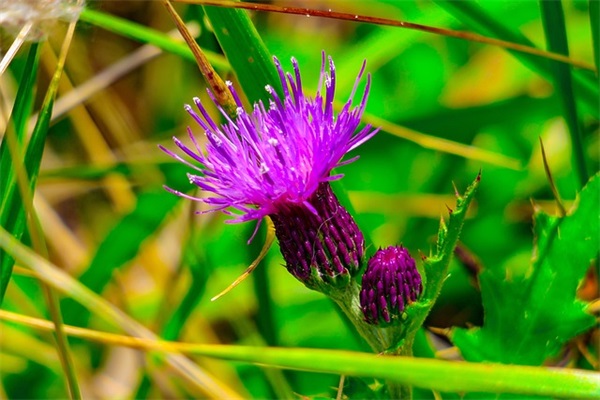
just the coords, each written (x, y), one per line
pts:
(263, 168)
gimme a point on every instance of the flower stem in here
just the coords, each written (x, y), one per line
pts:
(385, 341)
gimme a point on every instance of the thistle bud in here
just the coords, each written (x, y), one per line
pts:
(390, 282)
(320, 242)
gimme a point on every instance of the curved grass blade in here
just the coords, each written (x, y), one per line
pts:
(532, 50)
(432, 142)
(553, 19)
(219, 88)
(446, 376)
(263, 252)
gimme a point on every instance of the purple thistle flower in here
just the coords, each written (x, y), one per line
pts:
(277, 162)
(390, 282)
(270, 158)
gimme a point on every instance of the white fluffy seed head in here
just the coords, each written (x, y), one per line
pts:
(40, 14)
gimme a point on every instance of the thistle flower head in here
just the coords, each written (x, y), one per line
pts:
(390, 282)
(322, 249)
(264, 161)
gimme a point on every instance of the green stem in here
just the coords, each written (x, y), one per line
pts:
(383, 340)
(348, 300)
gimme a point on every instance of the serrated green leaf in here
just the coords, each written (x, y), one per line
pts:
(435, 267)
(528, 318)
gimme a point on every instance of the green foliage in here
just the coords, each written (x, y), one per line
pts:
(529, 317)
(107, 221)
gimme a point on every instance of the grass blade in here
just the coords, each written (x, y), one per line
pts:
(20, 115)
(553, 20)
(122, 243)
(245, 50)
(147, 35)
(594, 10)
(446, 376)
(17, 206)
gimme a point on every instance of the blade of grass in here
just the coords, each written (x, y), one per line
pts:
(110, 75)
(205, 383)
(14, 47)
(121, 245)
(219, 88)
(444, 145)
(15, 138)
(194, 258)
(446, 376)
(594, 10)
(146, 35)
(553, 20)
(245, 50)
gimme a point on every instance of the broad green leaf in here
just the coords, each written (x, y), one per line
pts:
(528, 318)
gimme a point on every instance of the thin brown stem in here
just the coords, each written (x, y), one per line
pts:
(474, 37)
